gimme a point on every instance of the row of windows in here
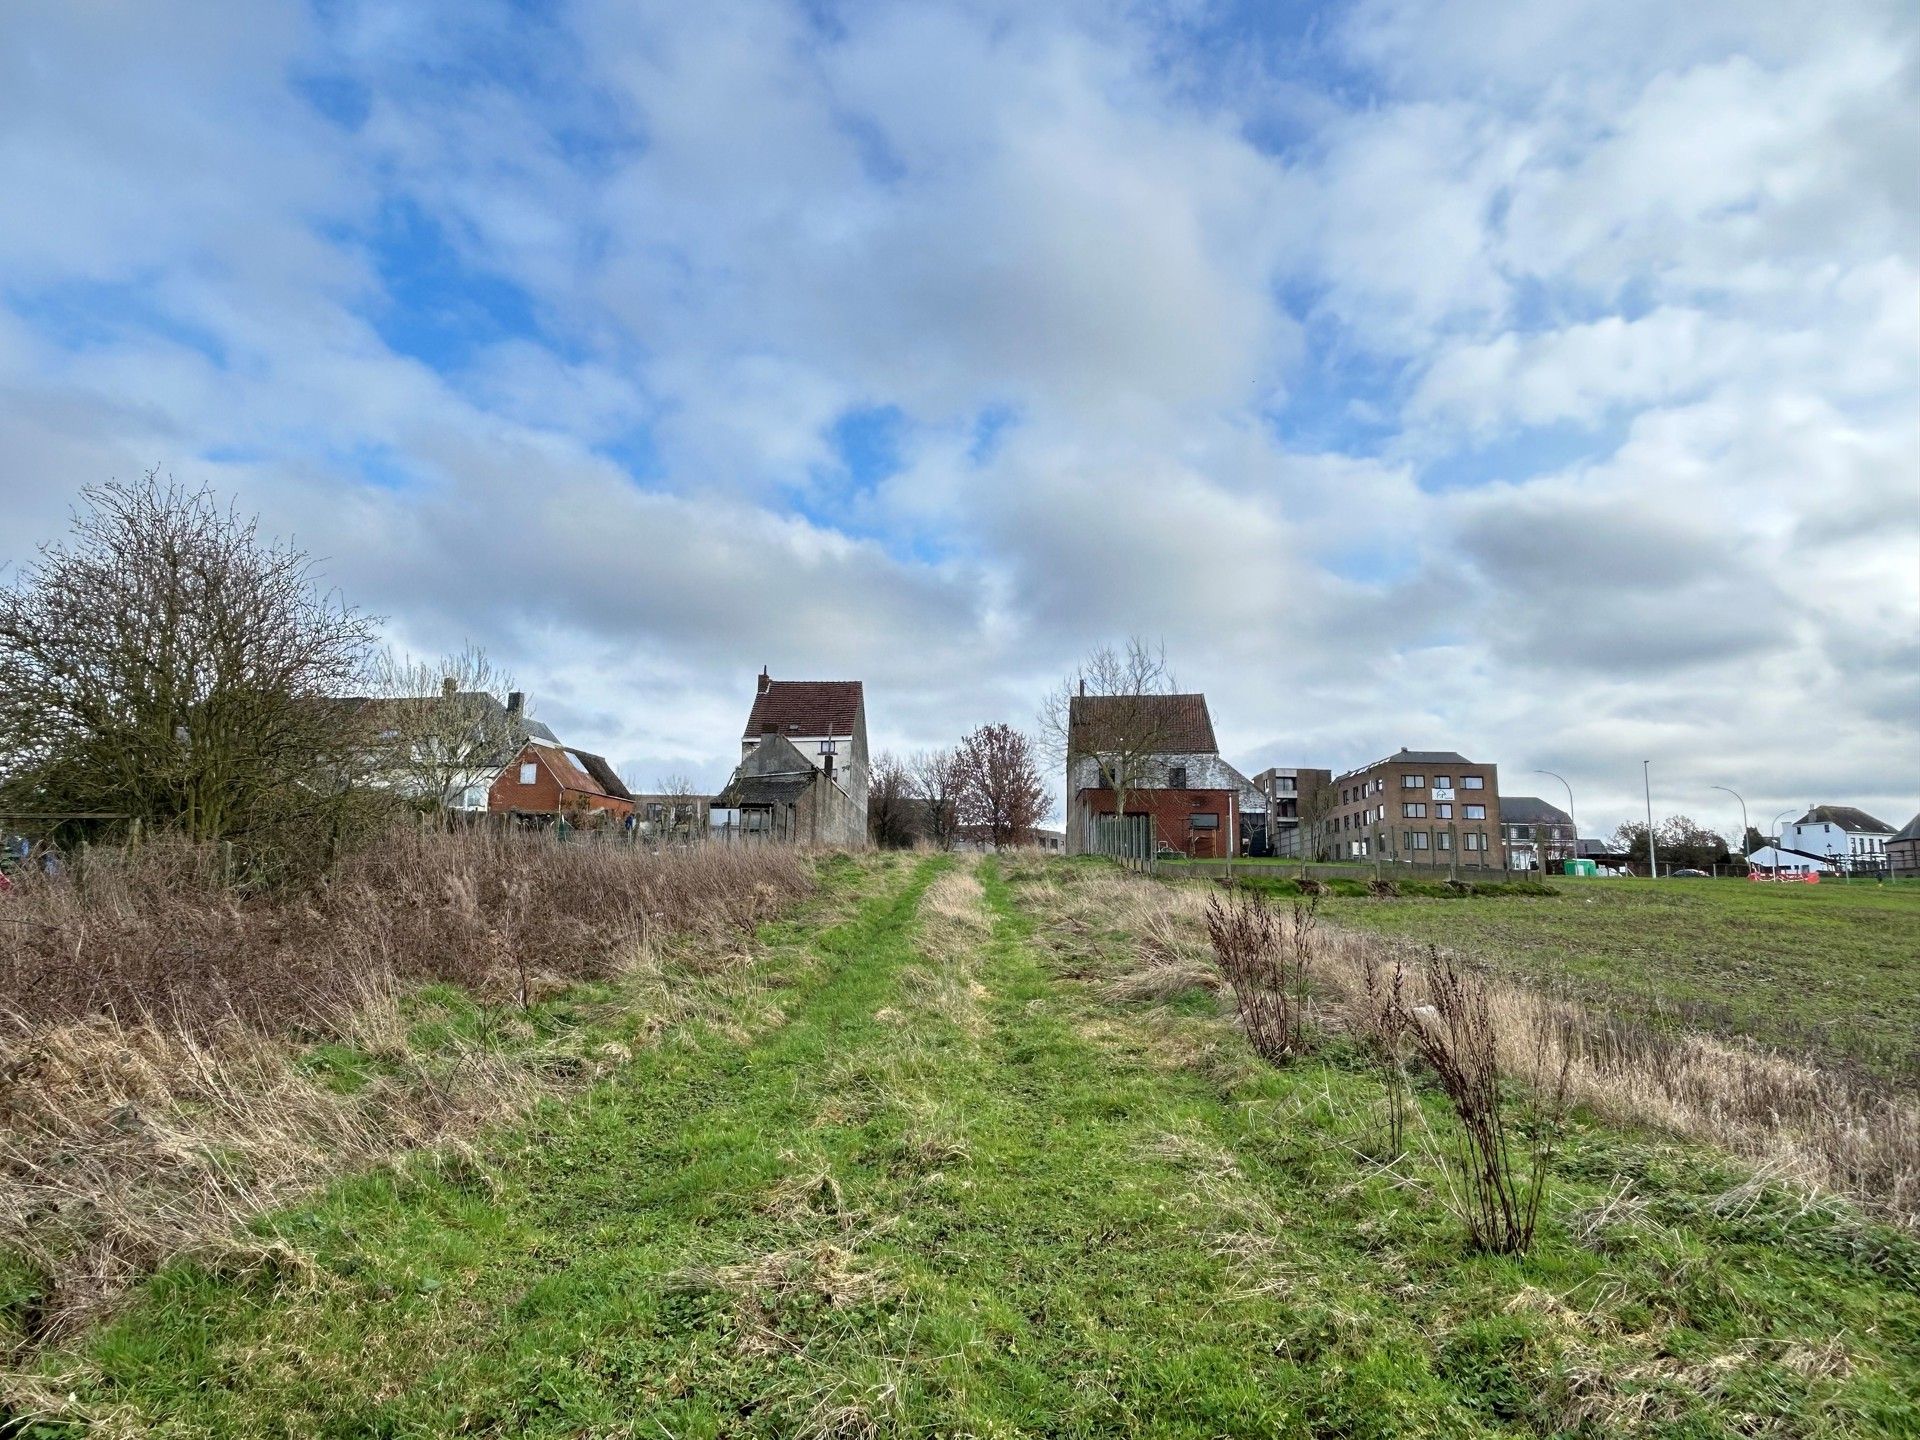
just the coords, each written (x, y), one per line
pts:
(1411, 840)
(1442, 810)
(1377, 785)
(1409, 810)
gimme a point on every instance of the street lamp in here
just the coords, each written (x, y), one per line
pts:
(1774, 825)
(1570, 820)
(1743, 814)
(1653, 850)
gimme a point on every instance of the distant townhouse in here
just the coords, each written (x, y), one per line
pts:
(1850, 838)
(1161, 752)
(803, 777)
(1538, 836)
(1422, 807)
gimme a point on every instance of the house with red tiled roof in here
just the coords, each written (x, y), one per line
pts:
(803, 763)
(550, 781)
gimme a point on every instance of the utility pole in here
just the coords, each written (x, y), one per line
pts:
(1653, 850)
(1743, 816)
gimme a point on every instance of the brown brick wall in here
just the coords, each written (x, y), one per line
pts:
(1390, 835)
(1173, 812)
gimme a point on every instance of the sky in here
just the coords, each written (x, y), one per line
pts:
(1540, 382)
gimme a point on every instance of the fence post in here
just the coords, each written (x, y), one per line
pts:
(226, 864)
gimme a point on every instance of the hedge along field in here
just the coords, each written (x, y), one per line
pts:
(1829, 970)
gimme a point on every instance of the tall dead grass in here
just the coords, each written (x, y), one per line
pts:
(1840, 1131)
(157, 1034)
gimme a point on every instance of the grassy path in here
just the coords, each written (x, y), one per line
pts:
(939, 1199)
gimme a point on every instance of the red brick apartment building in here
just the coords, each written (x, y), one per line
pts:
(1420, 807)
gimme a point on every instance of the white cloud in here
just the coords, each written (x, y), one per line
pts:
(1689, 235)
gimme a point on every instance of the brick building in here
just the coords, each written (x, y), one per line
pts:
(552, 780)
(1421, 807)
(1293, 794)
(1197, 803)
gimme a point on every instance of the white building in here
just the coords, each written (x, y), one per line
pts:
(1773, 859)
(1850, 838)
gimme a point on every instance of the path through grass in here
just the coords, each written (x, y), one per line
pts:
(955, 1193)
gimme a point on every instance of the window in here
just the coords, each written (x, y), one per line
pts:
(1472, 782)
(1413, 810)
(1416, 839)
(1520, 832)
(1204, 821)
(1444, 810)
(1445, 839)
(1413, 782)
(1474, 840)
(1443, 782)
(1476, 812)
(527, 772)
(1177, 776)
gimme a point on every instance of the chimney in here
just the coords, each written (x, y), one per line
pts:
(766, 681)
(516, 702)
(448, 685)
(1083, 685)
(829, 765)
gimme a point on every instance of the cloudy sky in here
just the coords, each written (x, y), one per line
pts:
(1537, 381)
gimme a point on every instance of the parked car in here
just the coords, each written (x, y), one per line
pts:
(1687, 875)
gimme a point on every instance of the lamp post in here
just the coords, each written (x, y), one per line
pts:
(1570, 820)
(1743, 814)
(1653, 850)
(1773, 825)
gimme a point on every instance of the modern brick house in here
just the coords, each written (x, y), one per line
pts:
(1422, 807)
(1197, 804)
(1292, 793)
(555, 780)
(803, 775)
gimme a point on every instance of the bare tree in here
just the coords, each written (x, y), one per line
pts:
(1314, 804)
(443, 726)
(1001, 796)
(679, 806)
(934, 777)
(1105, 724)
(170, 665)
(890, 807)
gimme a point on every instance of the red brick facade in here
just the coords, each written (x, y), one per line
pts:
(1215, 836)
(546, 794)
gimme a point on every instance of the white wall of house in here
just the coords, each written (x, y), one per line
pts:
(1203, 772)
(1768, 857)
(1826, 838)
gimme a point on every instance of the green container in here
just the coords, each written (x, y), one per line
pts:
(1579, 867)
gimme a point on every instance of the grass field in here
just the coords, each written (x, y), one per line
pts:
(953, 1186)
(1830, 969)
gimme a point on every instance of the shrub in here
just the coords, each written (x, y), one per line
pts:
(1264, 957)
(1454, 1034)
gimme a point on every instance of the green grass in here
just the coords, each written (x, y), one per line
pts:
(956, 1193)
(1832, 969)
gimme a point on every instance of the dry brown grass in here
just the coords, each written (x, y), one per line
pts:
(154, 1090)
(1819, 1128)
